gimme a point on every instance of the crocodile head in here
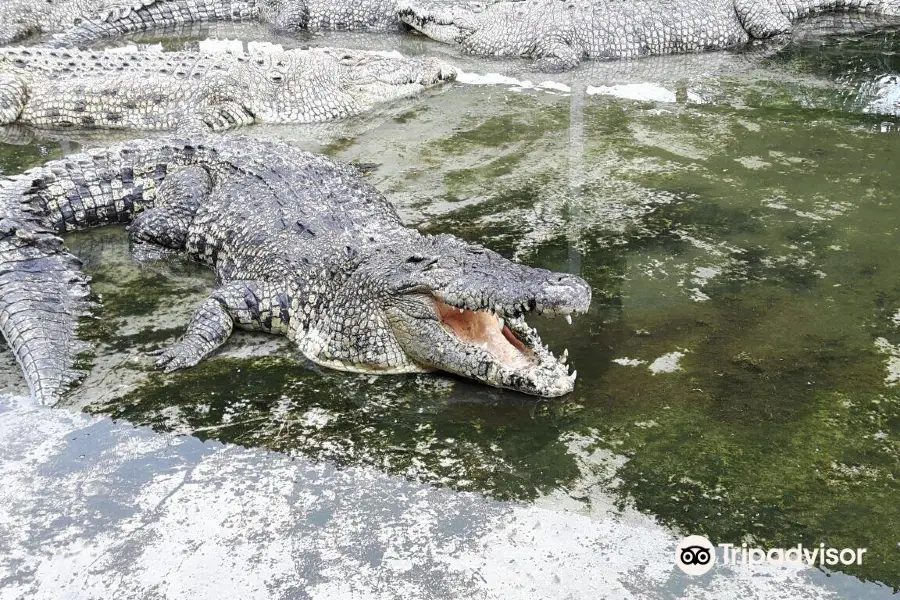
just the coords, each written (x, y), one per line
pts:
(438, 303)
(322, 84)
(488, 27)
(451, 23)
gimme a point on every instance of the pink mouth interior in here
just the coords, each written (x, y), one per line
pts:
(482, 328)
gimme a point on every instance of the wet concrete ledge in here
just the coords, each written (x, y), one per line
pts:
(92, 508)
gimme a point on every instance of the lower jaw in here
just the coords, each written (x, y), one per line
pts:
(512, 351)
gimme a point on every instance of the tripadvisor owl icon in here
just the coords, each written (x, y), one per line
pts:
(695, 555)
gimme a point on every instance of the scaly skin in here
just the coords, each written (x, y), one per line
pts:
(93, 24)
(209, 91)
(20, 19)
(301, 246)
(560, 33)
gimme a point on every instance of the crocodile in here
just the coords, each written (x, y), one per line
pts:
(85, 22)
(90, 20)
(558, 34)
(205, 90)
(301, 246)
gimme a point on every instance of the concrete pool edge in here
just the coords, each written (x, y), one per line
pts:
(94, 508)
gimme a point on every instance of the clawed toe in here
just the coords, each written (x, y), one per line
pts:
(179, 356)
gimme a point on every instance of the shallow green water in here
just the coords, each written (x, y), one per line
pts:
(743, 257)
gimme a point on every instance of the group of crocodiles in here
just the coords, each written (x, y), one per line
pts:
(301, 245)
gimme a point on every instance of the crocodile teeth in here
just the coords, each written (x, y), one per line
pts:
(569, 319)
(564, 357)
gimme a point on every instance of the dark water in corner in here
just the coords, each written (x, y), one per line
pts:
(737, 369)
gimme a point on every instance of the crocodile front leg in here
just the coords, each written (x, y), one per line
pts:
(245, 304)
(217, 117)
(177, 200)
(556, 56)
(13, 94)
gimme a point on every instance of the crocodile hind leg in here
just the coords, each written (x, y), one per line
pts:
(165, 226)
(245, 304)
(762, 19)
(13, 94)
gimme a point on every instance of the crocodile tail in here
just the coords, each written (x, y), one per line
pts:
(42, 295)
(143, 15)
(43, 292)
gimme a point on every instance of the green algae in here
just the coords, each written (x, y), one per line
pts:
(511, 127)
(412, 426)
(410, 115)
(336, 147)
(27, 152)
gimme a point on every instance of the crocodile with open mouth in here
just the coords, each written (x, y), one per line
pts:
(203, 90)
(301, 245)
(560, 33)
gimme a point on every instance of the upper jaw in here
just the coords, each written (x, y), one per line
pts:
(555, 295)
(448, 24)
(388, 73)
(372, 88)
(428, 72)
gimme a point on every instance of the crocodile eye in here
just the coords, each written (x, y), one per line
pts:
(425, 263)
(276, 77)
(350, 60)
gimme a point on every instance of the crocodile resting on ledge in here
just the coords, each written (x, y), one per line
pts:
(91, 20)
(301, 246)
(203, 90)
(85, 22)
(560, 33)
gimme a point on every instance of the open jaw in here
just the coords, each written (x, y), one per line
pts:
(493, 345)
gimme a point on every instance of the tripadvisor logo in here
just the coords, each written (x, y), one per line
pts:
(695, 555)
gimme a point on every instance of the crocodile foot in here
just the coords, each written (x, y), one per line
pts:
(181, 355)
